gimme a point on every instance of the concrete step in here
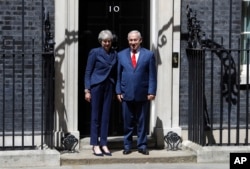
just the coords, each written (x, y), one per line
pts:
(29, 158)
(155, 156)
(85, 154)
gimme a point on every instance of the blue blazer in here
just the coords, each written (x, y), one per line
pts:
(136, 83)
(100, 67)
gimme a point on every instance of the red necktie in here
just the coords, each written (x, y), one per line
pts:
(133, 60)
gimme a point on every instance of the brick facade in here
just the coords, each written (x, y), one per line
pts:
(11, 27)
(20, 70)
(221, 23)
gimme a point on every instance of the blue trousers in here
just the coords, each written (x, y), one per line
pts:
(135, 114)
(101, 99)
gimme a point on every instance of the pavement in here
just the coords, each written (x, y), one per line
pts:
(138, 166)
(188, 156)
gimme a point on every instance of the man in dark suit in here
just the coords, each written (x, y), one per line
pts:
(135, 88)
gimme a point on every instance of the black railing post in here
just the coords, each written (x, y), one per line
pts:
(49, 74)
(196, 95)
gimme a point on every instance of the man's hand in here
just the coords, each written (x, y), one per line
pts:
(151, 97)
(120, 97)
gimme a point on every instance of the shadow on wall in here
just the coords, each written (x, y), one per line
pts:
(60, 109)
(159, 134)
(158, 50)
(162, 40)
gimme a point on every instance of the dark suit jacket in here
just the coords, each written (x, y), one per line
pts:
(100, 67)
(136, 83)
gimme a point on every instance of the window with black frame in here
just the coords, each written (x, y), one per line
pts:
(245, 41)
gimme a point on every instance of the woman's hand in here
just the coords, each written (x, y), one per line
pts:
(87, 96)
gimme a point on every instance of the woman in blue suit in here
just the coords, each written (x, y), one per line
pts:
(100, 77)
(135, 88)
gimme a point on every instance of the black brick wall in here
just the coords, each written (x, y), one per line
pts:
(12, 25)
(21, 75)
(11, 32)
(203, 9)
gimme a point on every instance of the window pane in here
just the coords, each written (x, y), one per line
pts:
(245, 29)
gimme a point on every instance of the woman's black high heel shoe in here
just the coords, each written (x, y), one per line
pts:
(96, 154)
(106, 153)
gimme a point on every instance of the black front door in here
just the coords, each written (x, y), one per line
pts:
(120, 16)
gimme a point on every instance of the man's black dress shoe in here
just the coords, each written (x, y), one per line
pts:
(126, 152)
(143, 151)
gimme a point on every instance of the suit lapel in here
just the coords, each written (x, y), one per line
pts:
(128, 58)
(106, 59)
(129, 61)
(140, 58)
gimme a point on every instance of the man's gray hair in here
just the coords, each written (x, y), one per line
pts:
(135, 31)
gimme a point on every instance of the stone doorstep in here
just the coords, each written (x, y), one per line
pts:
(156, 156)
(214, 154)
(29, 158)
(85, 154)
(190, 152)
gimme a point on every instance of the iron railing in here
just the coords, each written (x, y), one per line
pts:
(27, 79)
(26, 99)
(218, 101)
